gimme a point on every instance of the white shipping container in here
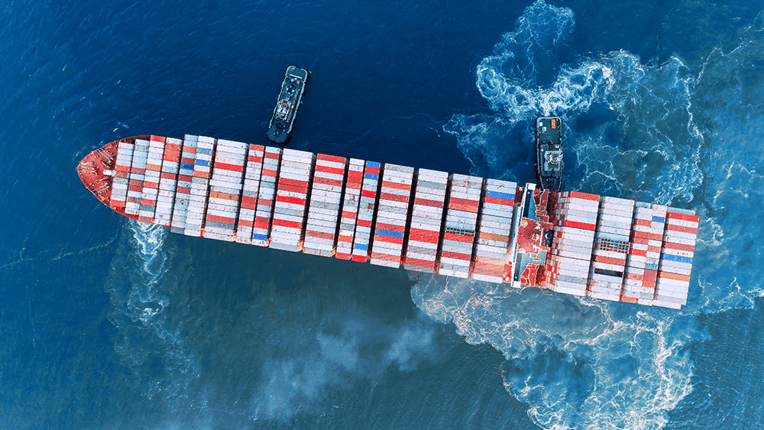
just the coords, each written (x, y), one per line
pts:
(327, 175)
(293, 194)
(433, 175)
(575, 202)
(606, 266)
(423, 247)
(399, 168)
(384, 263)
(494, 228)
(418, 256)
(610, 254)
(679, 237)
(576, 231)
(636, 259)
(322, 227)
(326, 213)
(453, 261)
(387, 248)
(331, 164)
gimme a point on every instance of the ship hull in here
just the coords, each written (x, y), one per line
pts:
(391, 215)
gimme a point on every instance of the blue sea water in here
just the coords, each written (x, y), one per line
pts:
(109, 324)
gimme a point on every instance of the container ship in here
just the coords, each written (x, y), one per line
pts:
(289, 100)
(391, 215)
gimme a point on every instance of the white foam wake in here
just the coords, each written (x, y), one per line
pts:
(631, 131)
(731, 107)
(138, 286)
(573, 361)
(663, 134)
(145, 302)
(629, 126)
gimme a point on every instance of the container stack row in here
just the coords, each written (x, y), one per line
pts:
(183, 192)
(226, 184)
(249, 193)
(350, 204)
(168, 181)
(426, 221)
(291, 200)
(367, 209)
(137, 172)
(392, 215)
(197, 205)
(491, 260)
(121, 175)
(642, 263)
(461, 222)
(611, 248)
(676, 259)
(151, 177)
(325, 204)
(575, 216)
(265, 196)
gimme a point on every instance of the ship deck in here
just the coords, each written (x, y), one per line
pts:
(391, 215)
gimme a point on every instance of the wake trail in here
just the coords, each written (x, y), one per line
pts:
(632, 130)
(143, 313)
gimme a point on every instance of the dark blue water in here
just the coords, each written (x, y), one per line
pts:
(106, 323)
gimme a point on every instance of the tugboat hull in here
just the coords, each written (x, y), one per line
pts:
(549, 152)
(289, 100)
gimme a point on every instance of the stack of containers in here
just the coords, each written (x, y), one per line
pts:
(121, 175)
(426, 221)
(676, 258)
(262, 229)
(367, 211)
(152, 175)
(611, 248)
(575, 216)
(654, 245)
(641, 274)
(197, 204)
(461, 222)
(392, 214)
(168, 181)
(325, 199)
(137, 171)
(350, 205)
(226, 184)
(291, 200)
(495, 227)
(183, 192)
(249, 194)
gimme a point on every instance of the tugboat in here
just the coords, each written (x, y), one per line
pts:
(288, 102)
(549, 152)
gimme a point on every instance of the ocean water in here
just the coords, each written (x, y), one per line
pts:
(110, 324)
